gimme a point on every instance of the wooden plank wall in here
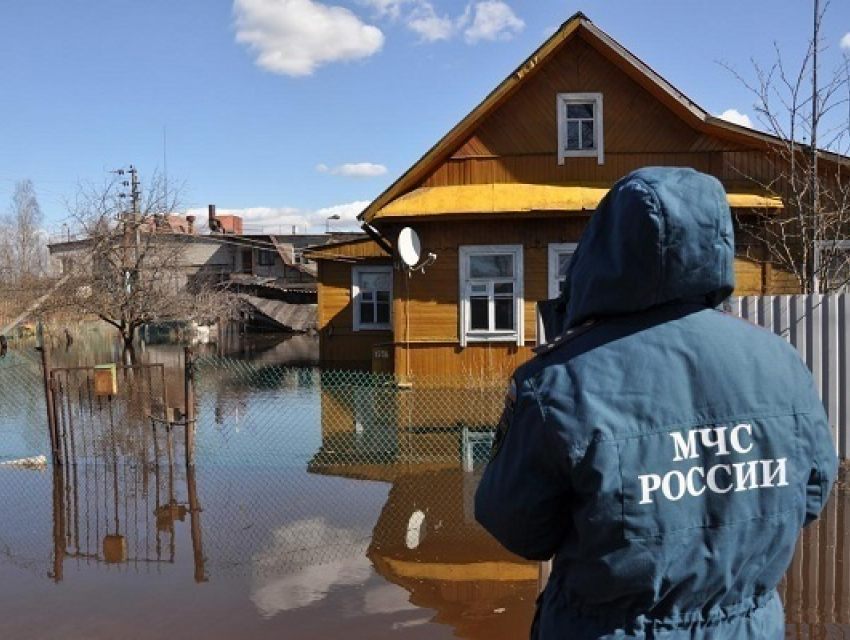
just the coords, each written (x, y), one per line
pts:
(518, 141)
(340, 347)
(425, 311)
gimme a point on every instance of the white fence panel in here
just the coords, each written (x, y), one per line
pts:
(816, 325)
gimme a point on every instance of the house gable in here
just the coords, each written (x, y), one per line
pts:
(512, 135)
(634, 119)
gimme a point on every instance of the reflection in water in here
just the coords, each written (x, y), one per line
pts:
(455, 567)
(312, 582)
(260, 539)
(120, 513)
(310, 513)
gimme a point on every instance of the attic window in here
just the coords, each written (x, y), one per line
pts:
(580, 126)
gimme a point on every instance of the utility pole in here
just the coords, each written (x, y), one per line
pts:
(130, 225)
(812, 249)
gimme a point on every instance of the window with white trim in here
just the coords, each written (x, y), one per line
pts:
(580, 126)
(372, 294)
(836, 273)
(560, 255)
(491, 295)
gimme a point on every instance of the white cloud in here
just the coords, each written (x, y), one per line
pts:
(736, 117)
(284, 219)
(311, 544)
(845, 41)
(354, 170)
(387, 8)
(294, 37)
(347, 216)
(387, 598)
(429, 26)
(493, 20)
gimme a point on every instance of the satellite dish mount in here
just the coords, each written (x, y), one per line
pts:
(410, 251)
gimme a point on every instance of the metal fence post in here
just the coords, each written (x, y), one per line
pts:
(52, 427)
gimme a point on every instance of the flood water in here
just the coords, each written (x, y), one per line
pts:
(267, 539)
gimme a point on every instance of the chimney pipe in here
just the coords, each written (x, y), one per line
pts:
(213, 223)
(190, 220)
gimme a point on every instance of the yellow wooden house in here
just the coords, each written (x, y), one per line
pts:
(501, 201)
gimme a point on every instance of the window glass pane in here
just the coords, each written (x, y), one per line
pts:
(367, 313)
(583, 110)
(478, 288)
(383, 296)
(563, 263)
(572, 135)
(478, 314)
(383, 313)
(367, 296)
(837, 269)
(587, 135)
(503, 288)
(492, 266)
(376, 281)
(504, 308)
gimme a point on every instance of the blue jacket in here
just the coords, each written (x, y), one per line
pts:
(665, 453)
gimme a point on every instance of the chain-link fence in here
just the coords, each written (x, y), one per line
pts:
(303, 480)
(22, 403)
(326, 452)
(295, 468)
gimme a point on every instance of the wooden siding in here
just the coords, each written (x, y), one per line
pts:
(434, 364)
(634, 119)
(518, 141)
(340, 347)
(352, 250)
(749, 277)
(544, 169)
(425, 311)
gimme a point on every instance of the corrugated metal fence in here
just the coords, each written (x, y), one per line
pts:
(817, 326)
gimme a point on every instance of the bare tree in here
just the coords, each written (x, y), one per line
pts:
(131, 269)
(809, 119)
(23, 246)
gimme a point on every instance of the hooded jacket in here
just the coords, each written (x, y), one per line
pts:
(665, 453)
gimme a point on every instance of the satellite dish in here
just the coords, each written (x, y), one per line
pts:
(409, 247)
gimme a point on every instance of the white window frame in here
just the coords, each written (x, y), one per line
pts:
(356, 272)
(564, 99)
(516, 335)
(556, 249)
(840, 245)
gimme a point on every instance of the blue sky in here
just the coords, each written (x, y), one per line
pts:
(289, 111)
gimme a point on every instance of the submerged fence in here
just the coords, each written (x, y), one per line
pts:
(272, 494)
(818, 326)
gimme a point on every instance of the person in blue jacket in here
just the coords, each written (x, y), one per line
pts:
(663, 453)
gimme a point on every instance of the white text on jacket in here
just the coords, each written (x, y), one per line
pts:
(716, 442)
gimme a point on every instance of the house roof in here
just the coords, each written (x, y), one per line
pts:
(475, 199)
(577, 25)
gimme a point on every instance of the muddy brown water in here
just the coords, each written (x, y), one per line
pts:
(259, 542)
(269, 555)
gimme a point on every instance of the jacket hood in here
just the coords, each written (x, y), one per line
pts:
(660, 235)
